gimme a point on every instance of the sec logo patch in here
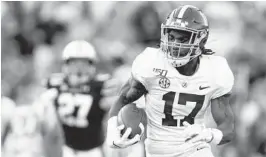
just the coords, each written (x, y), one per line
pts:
(164, 82)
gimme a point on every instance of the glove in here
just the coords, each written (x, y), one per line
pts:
(197, 133)
(115, 139)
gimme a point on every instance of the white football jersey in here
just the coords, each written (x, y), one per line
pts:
(25, 135)
(173, 98)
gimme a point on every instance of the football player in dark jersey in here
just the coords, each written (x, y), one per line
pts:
(76, 96)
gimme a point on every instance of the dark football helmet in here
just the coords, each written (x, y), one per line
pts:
(190, 21)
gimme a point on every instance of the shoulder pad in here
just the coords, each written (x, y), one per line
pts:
(143, 64)
(223, 75)
(145, 58)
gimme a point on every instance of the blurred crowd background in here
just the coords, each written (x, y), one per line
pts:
(33, 35)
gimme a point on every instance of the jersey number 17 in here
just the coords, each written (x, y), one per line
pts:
(183, 98)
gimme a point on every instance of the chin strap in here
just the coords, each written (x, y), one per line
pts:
(207, 51)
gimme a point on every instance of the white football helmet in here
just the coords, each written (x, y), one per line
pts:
(79, 49)
(77, 69)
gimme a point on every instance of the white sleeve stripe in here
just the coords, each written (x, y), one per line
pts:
(182, 11)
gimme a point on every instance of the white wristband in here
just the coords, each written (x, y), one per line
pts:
(217, 136)
(112, 122)
(111, 131)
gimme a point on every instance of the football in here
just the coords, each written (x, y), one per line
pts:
(131, 116)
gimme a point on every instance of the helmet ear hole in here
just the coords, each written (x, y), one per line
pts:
(202, 37)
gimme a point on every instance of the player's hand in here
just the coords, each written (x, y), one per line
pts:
(197, 133)
(123, 141)
(115, 139)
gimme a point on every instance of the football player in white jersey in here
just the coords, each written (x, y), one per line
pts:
(179, 80)
(29, 130)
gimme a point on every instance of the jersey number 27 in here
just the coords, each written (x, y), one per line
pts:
(74, 108)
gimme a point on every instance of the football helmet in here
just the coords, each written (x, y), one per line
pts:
(79, 49)
(191, 21)
(79, 62)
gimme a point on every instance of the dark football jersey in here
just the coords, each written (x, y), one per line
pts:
(79, 112)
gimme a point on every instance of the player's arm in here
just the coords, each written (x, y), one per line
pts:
(130, 92)
(52, 131)
(220, 105)
(137, 85)
(220, 108)
(224, 117)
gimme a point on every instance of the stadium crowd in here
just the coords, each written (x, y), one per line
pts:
(33, 35)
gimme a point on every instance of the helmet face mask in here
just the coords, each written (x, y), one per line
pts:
(192, 26)
(78, 71)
